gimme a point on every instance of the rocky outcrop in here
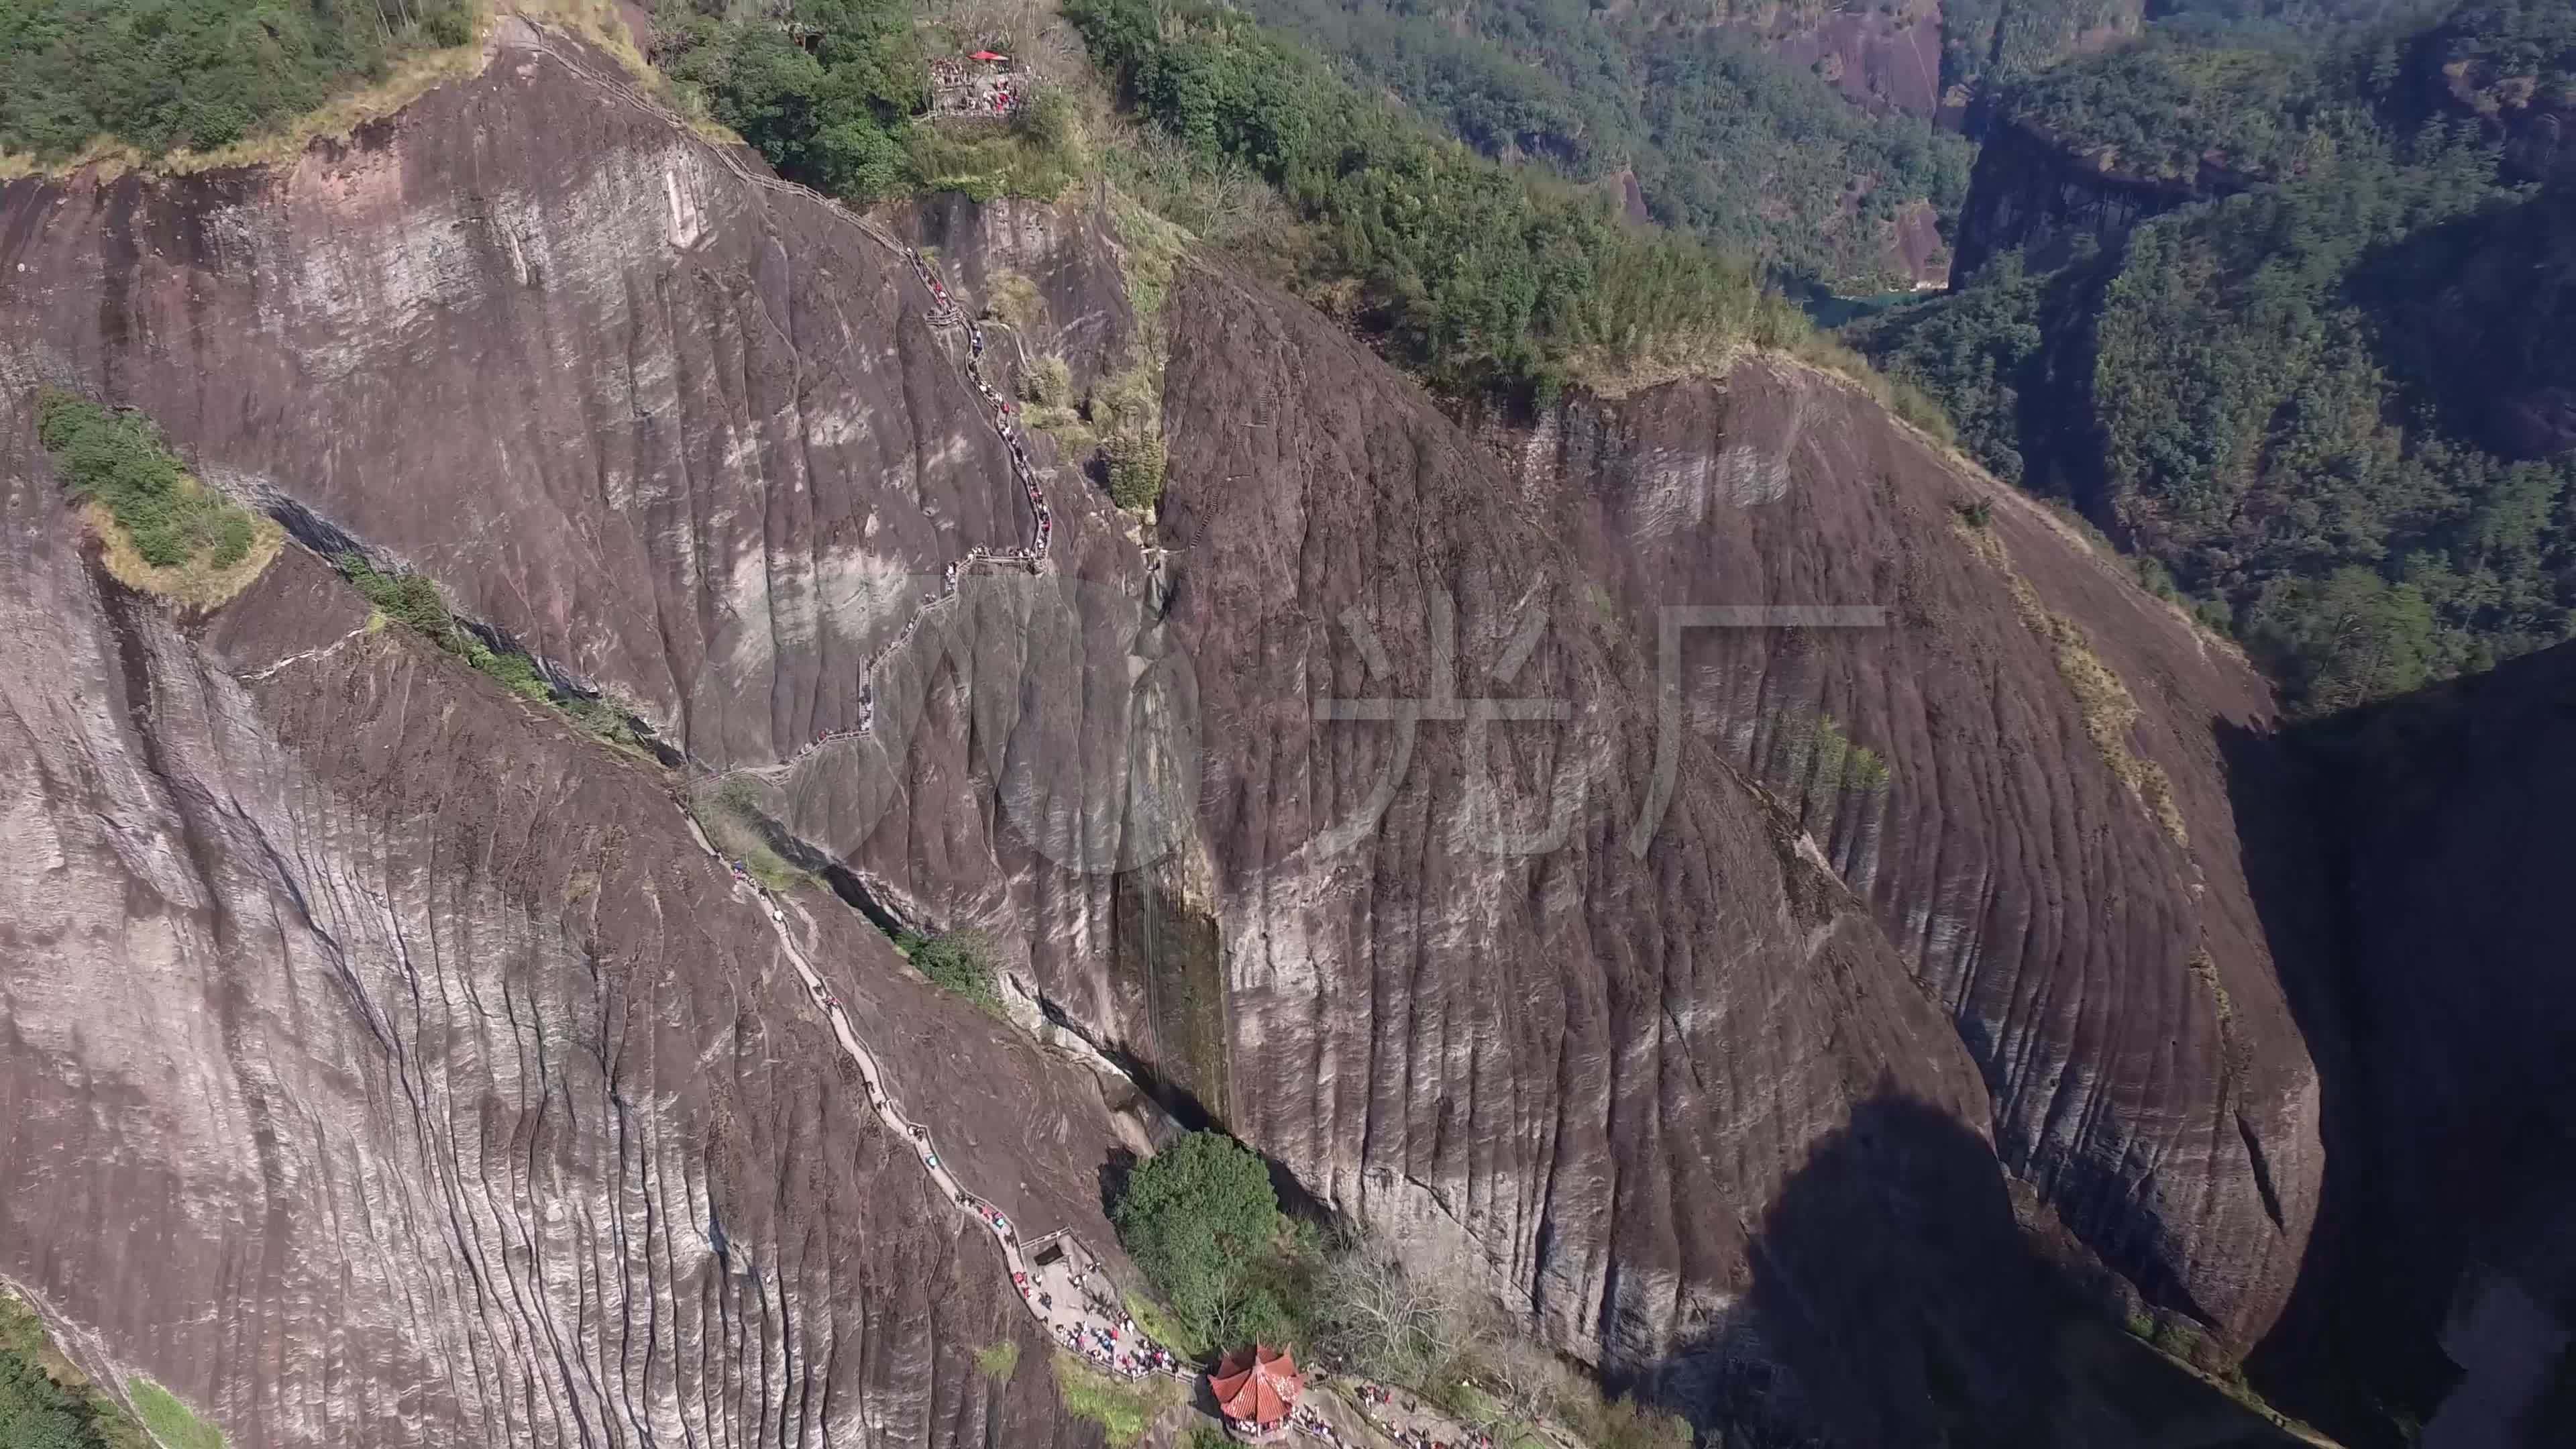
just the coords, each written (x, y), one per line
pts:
(2016, 769)
(1883, 59)
(2028, 192)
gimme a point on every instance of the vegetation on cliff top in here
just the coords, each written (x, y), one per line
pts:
(847, 115)
(201, 74)
(832, 117)
(1480, 279)
(1725, 142)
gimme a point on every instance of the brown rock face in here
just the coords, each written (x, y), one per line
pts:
(386, 1065)
(1881, 59)
(2027, 192)
(1491, 1022)
(666, 428)
(1593, 1006)
(2041, 824)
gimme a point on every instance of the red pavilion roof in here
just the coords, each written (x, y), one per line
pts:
(1257, 1385)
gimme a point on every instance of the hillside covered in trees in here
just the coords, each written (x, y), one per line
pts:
(1480, 279)
(1723, 140)
(157, 74)
(2328, 395)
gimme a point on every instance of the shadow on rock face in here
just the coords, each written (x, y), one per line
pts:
(1114, 1172)
(2410, 860)
(1896, 1300)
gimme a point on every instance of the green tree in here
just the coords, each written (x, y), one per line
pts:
(1201, 1219)
(957, 961)
(2344, 639)
(832, 117)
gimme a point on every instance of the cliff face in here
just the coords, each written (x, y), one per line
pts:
(386, 1065)
(2027, 192)
(2017, 771)
(1880, 58)
(668, 429)
(1350, 813)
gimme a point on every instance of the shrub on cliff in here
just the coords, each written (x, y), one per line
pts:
(117, 460)
(35, 1413)
(157, 74)
(956, 961)
(411, 600)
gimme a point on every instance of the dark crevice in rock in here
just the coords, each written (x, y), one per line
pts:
(1183, 1104)
(2262, 1169)
(333, 543)
(1172, 951)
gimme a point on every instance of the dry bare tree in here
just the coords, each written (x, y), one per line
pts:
(1381, 1320)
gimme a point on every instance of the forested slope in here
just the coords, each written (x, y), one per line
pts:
(2326, 394)
(195, 73)
(1722, 139)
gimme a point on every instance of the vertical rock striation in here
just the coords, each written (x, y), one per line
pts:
(385, 1065)
(2021, 774)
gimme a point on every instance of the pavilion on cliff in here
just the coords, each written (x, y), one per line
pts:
(1256, 1388)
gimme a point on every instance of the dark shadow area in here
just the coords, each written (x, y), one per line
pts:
(1179, 1102)
(1114, 1172)
(2022, 339)
(853, 892)
(2411, 861)
(1172, 953)
(1896, 1300)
